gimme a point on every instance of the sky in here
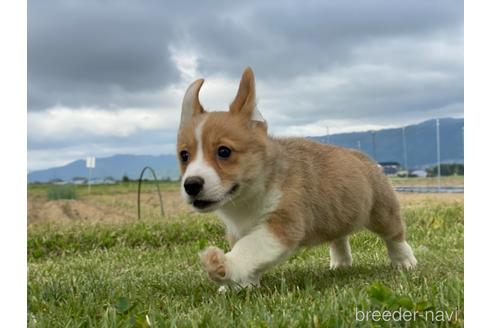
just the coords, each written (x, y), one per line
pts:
(108, 77)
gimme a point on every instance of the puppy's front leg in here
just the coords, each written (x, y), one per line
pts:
(250, 256)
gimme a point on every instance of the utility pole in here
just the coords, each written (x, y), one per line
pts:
(438, 156)
(90, 164)
(404, 142)
(89, 181)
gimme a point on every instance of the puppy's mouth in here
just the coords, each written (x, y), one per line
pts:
(203, 204)
(208, 204)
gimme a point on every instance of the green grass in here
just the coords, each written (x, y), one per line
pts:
(56, 192)
(105, 189)
(102, 275)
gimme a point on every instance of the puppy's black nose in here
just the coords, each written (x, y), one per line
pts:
(193, 185)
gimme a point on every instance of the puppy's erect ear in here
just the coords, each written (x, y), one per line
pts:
(191, 104)
(245, 101)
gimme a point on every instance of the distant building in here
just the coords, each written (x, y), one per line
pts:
(57, 181)
(390, 168)
(79, 180)
(403, 173)
(109, 180)
(419, 173)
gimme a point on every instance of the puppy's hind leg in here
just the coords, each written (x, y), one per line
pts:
(400, 254)
(340, 253)
(391, 228)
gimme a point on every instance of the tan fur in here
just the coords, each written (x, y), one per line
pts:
(332, 192)
(328, 192)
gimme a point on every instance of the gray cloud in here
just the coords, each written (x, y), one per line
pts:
(293, 39)
(96, 53)
(361, 62)
(103, 53)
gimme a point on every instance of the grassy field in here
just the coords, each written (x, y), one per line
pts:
(108, 272)
(446, 181)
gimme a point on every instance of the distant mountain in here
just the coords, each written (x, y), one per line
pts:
(116, 166)
(387, 147)
(420, 141)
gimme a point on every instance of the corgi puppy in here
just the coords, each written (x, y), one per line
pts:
(277, 195)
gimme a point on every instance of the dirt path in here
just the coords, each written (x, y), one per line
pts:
(123, 207)
(108, 208)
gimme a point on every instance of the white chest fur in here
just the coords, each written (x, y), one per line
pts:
(243, 215)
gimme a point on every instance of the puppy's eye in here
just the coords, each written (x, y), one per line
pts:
(223, 152)
(184, 156)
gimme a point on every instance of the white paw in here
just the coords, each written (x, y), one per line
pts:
(340, 253)
(404, 263)
(336, 263)
(213, 262)
(401, 255)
